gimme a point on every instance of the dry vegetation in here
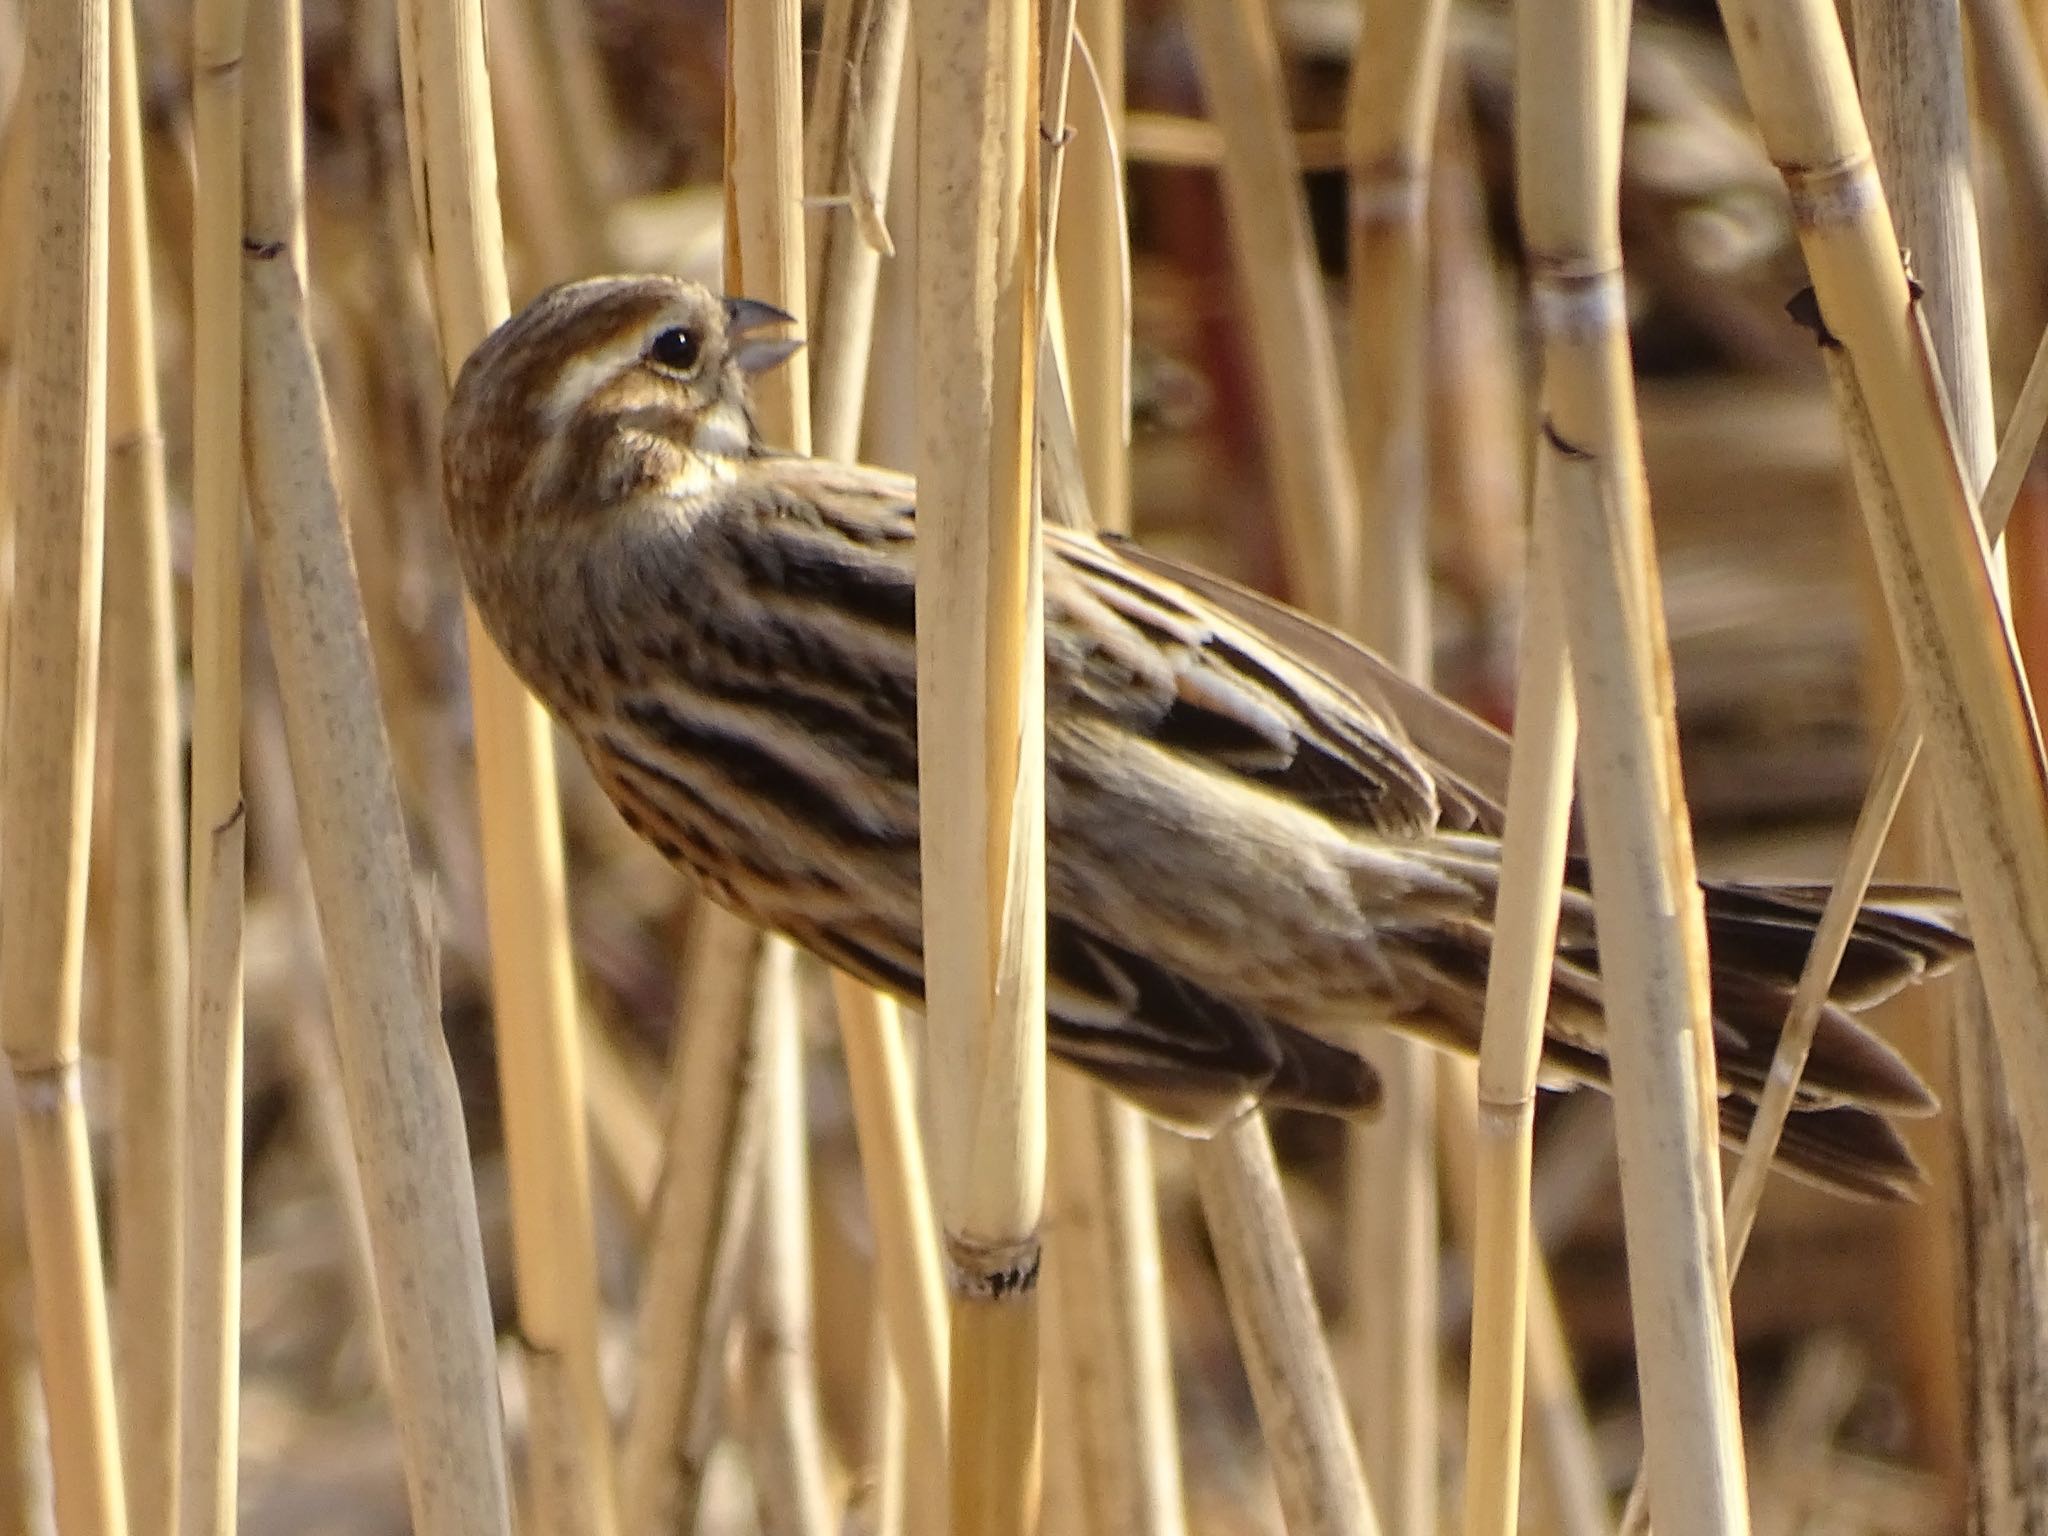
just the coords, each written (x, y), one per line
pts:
(241, 252)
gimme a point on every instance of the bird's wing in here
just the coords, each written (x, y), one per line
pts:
(1209, 671)
(1469, 757)
(1256, 691)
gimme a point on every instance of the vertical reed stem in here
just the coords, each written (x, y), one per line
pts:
(981, 754)
(1912, 81)
(26, 1505)
(146, 790)
(906, 1236)
(207, 1420)
(59, 467)
(1390, 1173)
(765, 260)
(1112, 1335)
(1280, 1336)
(383, 982)
(1955, 645)
(454, 160)
(1652, 936)
(848, 145)
(788, 1439)
(852, 136)
(703, 1206)
(1511, 1039)
(1290, 324)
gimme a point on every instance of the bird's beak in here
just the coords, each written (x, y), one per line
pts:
(757, 354)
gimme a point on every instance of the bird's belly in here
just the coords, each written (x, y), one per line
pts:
(1247, 898)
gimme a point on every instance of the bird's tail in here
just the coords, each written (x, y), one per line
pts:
(1840, 1134)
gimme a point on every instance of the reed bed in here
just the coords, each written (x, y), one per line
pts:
(1307, 294)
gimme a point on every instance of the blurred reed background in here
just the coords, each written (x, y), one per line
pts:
(652, 1246)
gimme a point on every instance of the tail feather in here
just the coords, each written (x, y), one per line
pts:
(1853, 1152)
(1758, 937)
(1847, 1064)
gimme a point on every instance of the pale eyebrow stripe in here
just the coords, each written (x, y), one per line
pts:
(584, 374)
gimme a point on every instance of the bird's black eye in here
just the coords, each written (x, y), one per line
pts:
(678, 347)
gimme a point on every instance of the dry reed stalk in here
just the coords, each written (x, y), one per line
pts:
(1303, 413)
(1059, 1489)
(1824, 1383)
(1110, 1345)
(218, 28)
(852, 136)
(315, 1057)
(1895, 761)
(623, 1128)
(526, 908)
(1390, 1203)
(25, 1496)
(1913, 86)
(1653, 943)
(765, 260)
(878, 1504)
(575, 79)
(981, 675)
(554, 173)
(147, 988)
(1477, 494)
(1562, 1463)
(2001, 1294)
(12, 61)
(791, 1482)
(1390, 126)
(27, 1507)
(381, 971)
(1167, 139)
(906, 1236)
(1476, 488)
(1057, 44)
(1280, 1336)
(696, 1235)
(1511, 1037)
(1092, 250)
(169, 179)
(208, 1414)
(1565, 1468)
(556, 219)
(264, 61)
(848, 144)
(59, 459)
(1111, 1299)
(2015, 98)
(1932, 560)
(888, 429)
(1239, 60)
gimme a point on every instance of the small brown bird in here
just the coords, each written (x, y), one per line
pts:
(1259, 837)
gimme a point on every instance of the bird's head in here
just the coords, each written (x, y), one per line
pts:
(599, 394)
